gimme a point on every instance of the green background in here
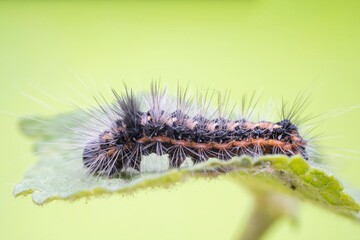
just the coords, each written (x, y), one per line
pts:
(279, 46)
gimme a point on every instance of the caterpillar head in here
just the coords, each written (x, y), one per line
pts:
(101, 155)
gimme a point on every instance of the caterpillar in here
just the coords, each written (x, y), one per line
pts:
(129, 132)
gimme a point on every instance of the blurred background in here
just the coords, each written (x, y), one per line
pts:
(72, 49)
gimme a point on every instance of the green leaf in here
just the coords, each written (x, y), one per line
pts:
(59, 174)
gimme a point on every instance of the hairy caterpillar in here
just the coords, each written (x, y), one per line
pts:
(188, 130)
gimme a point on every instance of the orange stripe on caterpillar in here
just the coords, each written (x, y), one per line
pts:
(260, 142)
(276, 143)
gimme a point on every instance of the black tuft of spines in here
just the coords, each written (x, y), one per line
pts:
(120, 138)
(180, 115)
(287, 124)
(154, 128)
(200, 134)
(257, 132)
(220, 133)
(128, 108)
(181, 132)
(240, 133)
(129, 111)
(285, 131)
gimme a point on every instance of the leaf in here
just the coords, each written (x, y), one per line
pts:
(58, 176)
(276, 181)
